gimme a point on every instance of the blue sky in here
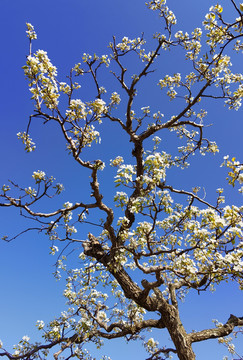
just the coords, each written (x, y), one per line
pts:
(66, 29)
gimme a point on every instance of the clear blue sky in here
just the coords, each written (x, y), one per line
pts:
(66, 29)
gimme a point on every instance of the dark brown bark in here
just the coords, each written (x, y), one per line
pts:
(171, 318)
(217, 332)
(169, 313)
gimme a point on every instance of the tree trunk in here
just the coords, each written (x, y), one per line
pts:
(170, 314)
(178, 334)
(183, 346)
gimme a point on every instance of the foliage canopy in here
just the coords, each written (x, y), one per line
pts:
(155, 242)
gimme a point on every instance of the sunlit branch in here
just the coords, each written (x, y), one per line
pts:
(219, 331)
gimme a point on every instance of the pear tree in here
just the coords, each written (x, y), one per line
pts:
(155, 242)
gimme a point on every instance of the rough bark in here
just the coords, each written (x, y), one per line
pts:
(169, 313)
(171, 318)
(217, 332)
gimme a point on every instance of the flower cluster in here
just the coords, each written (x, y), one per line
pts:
(77, 69)
(125, 174)
(115, 98)
(164, 11)
(53, 250)
(88, 59)
(128, 44)
(5, 188)
(192, 44)
(38, 176)
(117, 161)
(77, 110)
(146, 110)
(59, 188)
(236, 171)
(65, 88)
(122, 198)
(171, 82)
(42, 79)
(104, 59)
(27, 141)
(217, 34)
(98, 106)
(67, 215)
(31, 34)
(155, 167)
(31, 192)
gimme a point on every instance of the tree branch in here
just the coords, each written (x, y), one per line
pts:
(219, 331)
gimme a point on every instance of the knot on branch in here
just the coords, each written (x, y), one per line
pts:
(149, 286)
(93, 248)
(235, 320)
